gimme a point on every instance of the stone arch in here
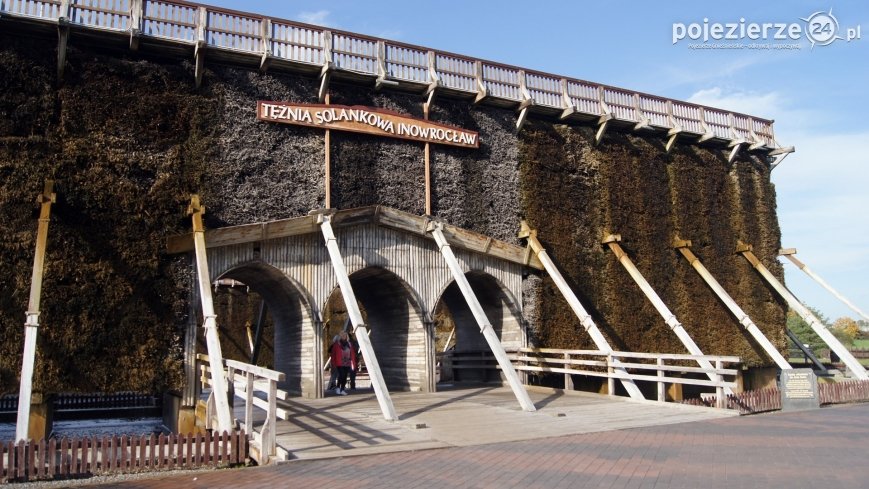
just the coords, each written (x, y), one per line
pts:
(290, 308)
(397, 327)
(502, 311)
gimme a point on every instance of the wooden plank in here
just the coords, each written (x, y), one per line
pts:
(224, 448)
(189, 440)
(215, 449)
(233, 448)
(256, 370)
(42, 459)
(124, 455)
(198, 458)
(31, 461)
(171, 443)
(206, 449)
(94, 455)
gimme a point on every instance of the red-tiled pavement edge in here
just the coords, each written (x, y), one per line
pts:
(826, 449)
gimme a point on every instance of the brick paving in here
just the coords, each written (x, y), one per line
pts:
(825, 448)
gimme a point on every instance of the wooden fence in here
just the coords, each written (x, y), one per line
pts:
(769, 399)
(660, 368)
(85, 457)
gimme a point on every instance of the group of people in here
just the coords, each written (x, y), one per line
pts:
(344, 363)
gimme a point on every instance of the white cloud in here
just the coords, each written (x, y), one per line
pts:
(744, 102)
(320, 17)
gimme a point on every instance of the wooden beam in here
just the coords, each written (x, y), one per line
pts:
(201, 40)
(266, 41)
(137, 12)
(218, 381)
(383, 216)
(31, 325)
(327, 177)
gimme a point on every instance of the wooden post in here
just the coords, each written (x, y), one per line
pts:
(201, 42)
(248, 402)
(662, 387)
(425, 110)
(31, 325)
(137, 15)
(215, 356)
(568, 380)
(721, 399)
(266, 41)
(62, 37)
(328, 162)
(610, 381)
(270, 442)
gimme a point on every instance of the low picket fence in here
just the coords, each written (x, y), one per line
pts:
(85, 457)
(769, 399)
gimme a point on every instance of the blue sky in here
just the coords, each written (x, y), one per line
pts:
(816, 96)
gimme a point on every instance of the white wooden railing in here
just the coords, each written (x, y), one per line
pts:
(246, 381)
(660, 368)
(305, 45)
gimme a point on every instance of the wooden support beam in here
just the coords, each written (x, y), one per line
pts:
(479, 314)
(817, 326)
(137, 15)
(326, 70)
(482, 91)
(778, 155)
(327, 177)
(212, 340)
(427, 155)
(790, 254)
(566, 102)
(643, 122)
(735, 146)
(707, 131)
(584, 317)
(201, 42)
(684, 247)
(31, 325)
(612, 241)
(266, 41)
(62, 38)
(673, 135)
(359, 327)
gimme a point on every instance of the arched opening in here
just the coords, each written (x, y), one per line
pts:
(457, 334)
(288, 324)
(395, 324)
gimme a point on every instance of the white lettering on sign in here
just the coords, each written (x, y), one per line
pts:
(366, 120)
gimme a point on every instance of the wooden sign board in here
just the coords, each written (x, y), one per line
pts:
(368, 120)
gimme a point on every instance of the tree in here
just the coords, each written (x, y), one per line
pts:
(846, 330)
(804, 332)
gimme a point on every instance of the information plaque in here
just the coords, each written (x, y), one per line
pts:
(799, 390)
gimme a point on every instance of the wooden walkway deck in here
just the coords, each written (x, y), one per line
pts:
(353, 425)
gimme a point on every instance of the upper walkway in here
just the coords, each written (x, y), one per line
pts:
(181, 28)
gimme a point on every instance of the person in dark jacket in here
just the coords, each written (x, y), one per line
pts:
(343, 359)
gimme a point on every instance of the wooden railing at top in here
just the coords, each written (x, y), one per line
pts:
(313, 46)
(649, 367)
(246, 381)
